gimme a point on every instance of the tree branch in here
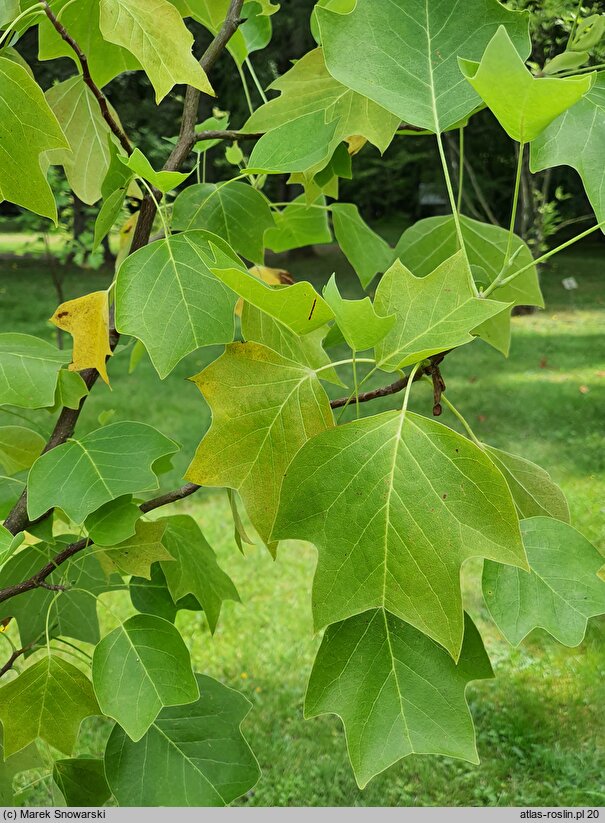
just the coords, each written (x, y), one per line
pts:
(101, 99)
(14, 657)
(226, 135)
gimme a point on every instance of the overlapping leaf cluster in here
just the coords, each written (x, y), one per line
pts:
(395, 502)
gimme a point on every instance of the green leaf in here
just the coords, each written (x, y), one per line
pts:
(362, 328)
(108, 214)
(532, 488)
(396, 691)
(287, 148)
(403, 55)
(19, 447)
(86, 161)
(105, 60)
(194, 569)
(28, 370)
(136, 554)
(82, 781)
(561, 144)
(588, 33)
(566, 61)
(299, 225)
(214, 123)
(432, 241)
(81, 475)
(234, 155)
(365, 250)
(264, 408)
(165, 181)
(192, 755)
(10, 491)
(308, 88)
(559, 594)
(240, 535)
(26, 759)
(434, 313)
(156, 35)
(9, 543)
(9, 9)
(524, 105)
(152, 596)
(140, 667)
(70, 390)
(163, 294)
(113, 522)
(236, 212)
(48, 700)
(28, 128)
(395, 504)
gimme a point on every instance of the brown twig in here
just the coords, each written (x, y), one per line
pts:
(101, 99)
(226, 135)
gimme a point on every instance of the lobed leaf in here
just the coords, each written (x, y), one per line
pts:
(358, 321)
(28, 370)
(136, 554)
(365, 250)
(87, 320)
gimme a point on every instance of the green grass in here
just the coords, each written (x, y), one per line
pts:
(540, 723)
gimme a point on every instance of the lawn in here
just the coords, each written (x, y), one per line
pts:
(540, 722)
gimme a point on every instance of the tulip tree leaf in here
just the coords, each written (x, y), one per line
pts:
(559, 594)
(365, 250)
(48, 700)
(82, 781)
(136, 554)
(361, 327)
(81, 475)
(86, 162)
(193, 755)
(165, 181)
(24, 760)
(307, 88)
(532, 488)
(113, 522)
(140, 667)
(87, 320)
(403, 53)
(194, 570)
(430, 242)
(9, 9)
(151, 596)
(19, 447)
(390, 534)
(153, 31)
(264, 407)
(70, 389)
(524, 105)
(237, 212)
(167, 297)
(9, 543)
(299, 224)
(397, 692)
(28, 371)
(434, 313)
(287, 148)
(28, 128)
(560, 144)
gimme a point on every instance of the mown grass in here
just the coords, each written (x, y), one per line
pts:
(540, 723)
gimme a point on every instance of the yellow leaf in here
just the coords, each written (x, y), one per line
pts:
(87, 320)
(355, 143)
(273, 277)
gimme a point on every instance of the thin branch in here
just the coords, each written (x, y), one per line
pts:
(101, 99)
(15, 656)
(226, 135)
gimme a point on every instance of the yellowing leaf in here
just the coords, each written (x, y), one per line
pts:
(273, 277)
(87, 320)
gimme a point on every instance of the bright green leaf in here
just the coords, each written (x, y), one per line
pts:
(365, 250)
(82, 781)
(70, 390)
(361, 327)
(28, 371)
(165, 181)
(136, 554)
(113, 522)
(108, 214)
(9, 543)
(287, 148)
(299, 225)
(19, 447)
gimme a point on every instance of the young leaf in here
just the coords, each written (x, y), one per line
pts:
(140, 667)
(264, 408)
(395, 504)
(362, 328)
(108, 214)
(163, 294)
(19, 447)
(28, 128)
(87, 320)
(559, 144)
(434, 313)
(9, 543)
(430, 242)
(87, 160)
(532, 488)
(523, 104)
(70, 390)
(48, 700)
(165, 181)
(299, 225)
(113, 522)
(81, 475)
(365, 250)
(153, 31)
(192, 755)
(396, 691)
(559, 594)
(136, 554)
(28, 371)
(236, 212)
(240, 535)
(82, 781)
(403, 55)
(194, 569)
(308, 88)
